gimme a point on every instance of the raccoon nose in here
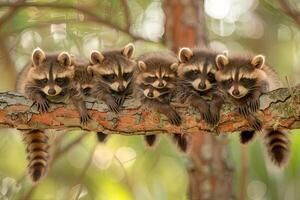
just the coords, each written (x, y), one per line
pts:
(51, 91)
(202, 85)
(121, 88)
(236, 92)
(160, 84)
(150, 94)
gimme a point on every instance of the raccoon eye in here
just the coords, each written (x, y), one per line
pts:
(227, 83)
(43, 81)
(211, 77)
(109, 77)
(192, 74)
(127, 76)
(150, 79)
(247, 81)
(61, 81)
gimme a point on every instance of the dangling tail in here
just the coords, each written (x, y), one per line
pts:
(150, 140)
(102, 137)
(38, 154)
(246, 136)
(181, 142)
(278, 146)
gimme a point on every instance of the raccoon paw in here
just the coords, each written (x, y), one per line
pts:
(174, 118)
(120, 100)
(254, 105)
(42, 105)
(214, 116)
(85, 118)
(205, 114)
(113, 106)
(244, 110)
(256, 124)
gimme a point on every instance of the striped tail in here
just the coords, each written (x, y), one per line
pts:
(102, 137)
(38, 154)
(278, 146)
(150, 140)
(181, 142)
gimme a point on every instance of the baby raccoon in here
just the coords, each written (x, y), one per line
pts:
(112, 72)
(156, 84)
(197, 83)
(48, 77)
(244, 79)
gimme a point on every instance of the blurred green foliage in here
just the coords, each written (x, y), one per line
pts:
(124, 169)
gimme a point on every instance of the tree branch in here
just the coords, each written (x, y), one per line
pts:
(290, 11)
(89, 15)
(278, 109)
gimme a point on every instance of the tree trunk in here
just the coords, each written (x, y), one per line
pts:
(209, 172)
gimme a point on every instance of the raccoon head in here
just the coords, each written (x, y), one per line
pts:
(240, 76)
(114, 69)
(157, 74)
(83, 78)
(197, 69)
(51, 73)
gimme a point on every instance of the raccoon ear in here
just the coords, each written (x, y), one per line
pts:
(64, 58)
(221, 61)
(142, 66)
(128, 50)
(225, 53)
(258, 61)
(96, 57)
(174, 66)
(185, 54)
(38, 56)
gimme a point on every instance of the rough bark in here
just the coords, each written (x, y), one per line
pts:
(209, 172)
(278, 108)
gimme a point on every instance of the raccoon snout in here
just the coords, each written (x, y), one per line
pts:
(121, 88)
(236, 92)
(150, 94)
(202, 86)
(52, 91)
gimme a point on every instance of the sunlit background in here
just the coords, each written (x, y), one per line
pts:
(123, 169)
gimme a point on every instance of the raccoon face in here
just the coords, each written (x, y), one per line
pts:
(158, 77)
(239, 77)
(198, 72)
(51, 73)
(151, 92)
(114, 69)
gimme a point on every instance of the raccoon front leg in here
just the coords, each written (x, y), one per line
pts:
(254, 122)
(253, 101)
(168, 111)
(111, 102)
(202, 106)
(81, 107)
(215, 107)
(40, 100)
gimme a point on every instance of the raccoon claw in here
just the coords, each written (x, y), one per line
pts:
(254, 105)
(42, 106)
(113, 106)
(175, 118)
(256, 125)
(243, 110)
(85, 118)
(120, 101)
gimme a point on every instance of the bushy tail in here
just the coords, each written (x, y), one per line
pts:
(181, 142)
(102, 138)
(278, 146)
(246, 136)
(150, 140)
(38, 154)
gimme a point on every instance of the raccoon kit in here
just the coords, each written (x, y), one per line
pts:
(197, 83)
(244, 79)
(112, 72)
(156, 84)
(47, 77)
